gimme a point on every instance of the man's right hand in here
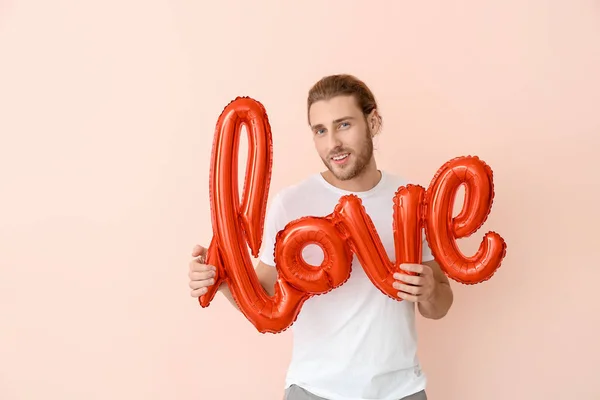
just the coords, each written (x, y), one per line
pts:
(201, 275)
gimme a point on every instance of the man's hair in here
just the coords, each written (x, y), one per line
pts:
(342, 85)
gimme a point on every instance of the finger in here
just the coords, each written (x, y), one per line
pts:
(409, 289)
(408, 297)
(200, 260)
(202, 275)
(194, 285)
(198, 251)
(417, 268)
(198, 292)
(197, 266)
(411, 279)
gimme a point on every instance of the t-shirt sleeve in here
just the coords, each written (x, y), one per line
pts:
(426, 251)
(274, 222)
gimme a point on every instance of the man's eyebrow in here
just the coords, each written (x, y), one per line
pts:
(336, 121)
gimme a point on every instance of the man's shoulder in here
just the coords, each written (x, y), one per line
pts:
(395, 180)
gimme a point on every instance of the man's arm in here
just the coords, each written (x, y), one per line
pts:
(430, 289)
(267, 276)
(441, 299)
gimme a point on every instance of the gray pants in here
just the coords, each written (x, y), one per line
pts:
(297, 393)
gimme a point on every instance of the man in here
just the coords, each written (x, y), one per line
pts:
(354, 342)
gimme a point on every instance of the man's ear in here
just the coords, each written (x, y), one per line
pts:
(374, 122)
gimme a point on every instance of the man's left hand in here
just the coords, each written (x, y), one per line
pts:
(416, 288)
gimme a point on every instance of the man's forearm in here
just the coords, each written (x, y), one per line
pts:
(224, 289)
(439, 303)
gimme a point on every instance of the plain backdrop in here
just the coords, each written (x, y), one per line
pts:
(107, 115)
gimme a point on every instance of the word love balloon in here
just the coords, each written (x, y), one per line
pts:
(346, 231)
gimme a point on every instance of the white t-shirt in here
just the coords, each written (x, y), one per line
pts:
(353, 343)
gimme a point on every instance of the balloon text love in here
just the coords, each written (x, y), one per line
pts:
(346, 231)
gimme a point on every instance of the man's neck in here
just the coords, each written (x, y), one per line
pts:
(367, 180)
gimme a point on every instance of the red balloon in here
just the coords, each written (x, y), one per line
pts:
(237, 226)
(365, 242)
(347, 230)
(442, 230)
(335, 268)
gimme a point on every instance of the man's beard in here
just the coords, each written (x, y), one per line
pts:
(359, 161)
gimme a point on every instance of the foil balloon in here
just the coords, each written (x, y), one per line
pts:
(442, 229)
(239, 225)
(357, 227)
(347, 231)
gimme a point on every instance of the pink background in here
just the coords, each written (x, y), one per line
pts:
(107, 111)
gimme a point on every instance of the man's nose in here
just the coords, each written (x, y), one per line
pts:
(334, 141)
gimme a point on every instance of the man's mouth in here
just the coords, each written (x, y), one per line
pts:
(340, 158)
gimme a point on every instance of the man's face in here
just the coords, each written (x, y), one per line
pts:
(341, 135)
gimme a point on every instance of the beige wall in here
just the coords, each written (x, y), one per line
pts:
(107, 110)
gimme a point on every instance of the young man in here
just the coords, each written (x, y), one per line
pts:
(353, 342)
